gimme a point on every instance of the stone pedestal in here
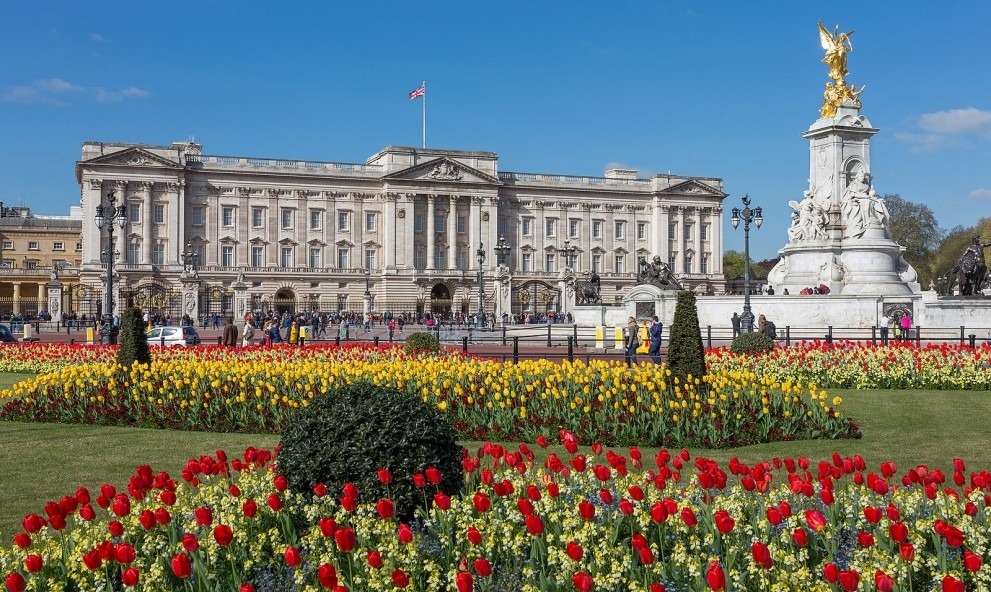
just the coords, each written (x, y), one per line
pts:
(55, 299)
(240, 300)
(503, 290)
(849, 254)
(191, 299)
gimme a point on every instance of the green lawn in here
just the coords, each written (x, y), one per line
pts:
(42, 462)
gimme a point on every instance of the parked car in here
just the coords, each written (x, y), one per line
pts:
(184, 336)
(6, 336)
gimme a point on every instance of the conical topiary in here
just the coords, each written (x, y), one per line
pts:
(686, 356)
(133, 339)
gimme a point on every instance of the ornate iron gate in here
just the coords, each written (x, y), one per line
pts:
(155, 299)
(536, 297)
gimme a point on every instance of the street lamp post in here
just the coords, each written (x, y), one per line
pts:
(568, 251)
(111, 214)
(480, 257)
(748, 216)
(502, 250)
(368, 296)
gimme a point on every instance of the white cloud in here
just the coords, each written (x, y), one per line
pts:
(55, 91)
(945, 129)
(957, 121)
(980, 194)
(96, 37)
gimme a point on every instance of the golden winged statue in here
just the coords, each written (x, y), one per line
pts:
(836, 45)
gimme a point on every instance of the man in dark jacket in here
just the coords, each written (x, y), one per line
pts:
(230, 333)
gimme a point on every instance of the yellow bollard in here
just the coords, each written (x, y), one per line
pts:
(27, 331)
(600, 337)
(89, 335)
(644, 339)
(619, 337)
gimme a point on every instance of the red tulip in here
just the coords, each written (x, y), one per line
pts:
(646, 556)
(274, 502)
(482, 502)
(385, 508)
(582, 581)
(586, 510)
(33, 563)
(972, 561)
(474, 537)
(761, 554)
(625, 506)
(907, 551)
(433, 475)
(280, 483)
(898, 532)
(327, 575)
(234, 490)
(483, 567)
(724, 522)
(115, 527)
(122, 505)
(400, 579)
(464, 582)
(385, 477)
(346, 539)
(542, 441)
(162, 516)
(15, 582)
(22, 540)
(350, 491)
(125, 554)
(181, 566)
(130, 576)
(419, 480)
(92, 560)
(249, 508)
(954, 537)
(442, 501)
(831, 573)
(374, 559)
(575, 551)
(715, 577)
(865, 539)
(606, 496)
(872, 514)
(658, 512)
(602, 472)
(815, 520)
(688, 517)
(657, 587)
(405, 534)
(147, 519)
(320, 490)
(883, 581)
(223, 535)
(292, 556)
(951, 584)
(32, 523)
(190, 542)
(774, 516)
(247, 588)
(525, 506)
(534, 525)
(850, 580)
(168, 498)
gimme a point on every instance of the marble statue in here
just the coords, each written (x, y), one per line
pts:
(808, 221)
(862, 208)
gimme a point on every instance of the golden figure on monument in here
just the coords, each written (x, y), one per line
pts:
(837, 45)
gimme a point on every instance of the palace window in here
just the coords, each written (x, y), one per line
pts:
(463, 225)
(689, 232)
(527, 261)
(370, 262)
(440, 259)
(288, 218)
(9, 244)
(418, 223)
(158, 211)
(672, 231)
(551, 226)
(704, 232)
(370, 221)
(550, 263)
(158, 254)
(315, 258)
(198, 215)
(344, 221)
(597, 263)
(133, 252)
(257, 256)
(502, 227)
(461, 259)
(641, 230)
(704, 265)
(620, 228)
(527, 227)
(573, 226)
(286, 257)
(227, 218)
(33, 246)
(596, 229)
(134, 213)
(688, 264)
(227, 256)
(439, 220)
(316, 219)
(79, 246)
(58, 246)
(418, 258)
(620, 263)
(257, 217)
(344, 258)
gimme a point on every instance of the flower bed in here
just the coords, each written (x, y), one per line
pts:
(598, 521)
(258, 390)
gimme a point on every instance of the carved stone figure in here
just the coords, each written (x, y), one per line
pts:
(862, 208)
(971, 269)
(808, 220)
(657, 273)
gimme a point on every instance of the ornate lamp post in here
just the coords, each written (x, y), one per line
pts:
(502, 250)
(480, 257)
(368, 294)
(568, 251)
(110, 214)
(748, 216)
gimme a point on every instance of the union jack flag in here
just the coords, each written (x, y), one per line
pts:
(418, 92)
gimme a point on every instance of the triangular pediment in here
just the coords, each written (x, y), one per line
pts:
(135, 157)
(443, 170)
(693, 187)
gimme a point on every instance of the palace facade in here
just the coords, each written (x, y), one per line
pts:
(400, 232)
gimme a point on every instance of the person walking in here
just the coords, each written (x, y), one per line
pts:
(735, 321)
(655, 332)
(230, 333)
(885, 321)
(906, 327)
(632, 341)
(248, 333)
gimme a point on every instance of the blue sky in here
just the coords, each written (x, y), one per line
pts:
(712, 89)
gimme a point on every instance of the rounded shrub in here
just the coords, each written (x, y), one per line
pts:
(752, 343)
(422, 343)
(348, 435)
(133, 340)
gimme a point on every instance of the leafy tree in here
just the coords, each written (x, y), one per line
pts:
(686, 355)
(733, 265)
(133, 339)
(914, 226)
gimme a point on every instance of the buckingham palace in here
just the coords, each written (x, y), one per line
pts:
(408, 230)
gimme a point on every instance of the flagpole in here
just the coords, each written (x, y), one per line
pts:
(424, 97)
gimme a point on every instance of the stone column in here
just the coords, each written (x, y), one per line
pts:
(389, 232)
(452, 233)
(476, 239)
(55, 299)
(656, 233)
(92, 196)
(716, 242)
(190, 298)
(240, 299)
(17, 298)
(147, 223)
(679, 264)
(663, 236)
(410, 213)
(173, 226)
(42, 288)
(699, 218)
(491, 212)
(120, 234)
(431, 230)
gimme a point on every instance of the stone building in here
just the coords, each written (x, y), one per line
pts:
(398, 233)
(31, 245)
